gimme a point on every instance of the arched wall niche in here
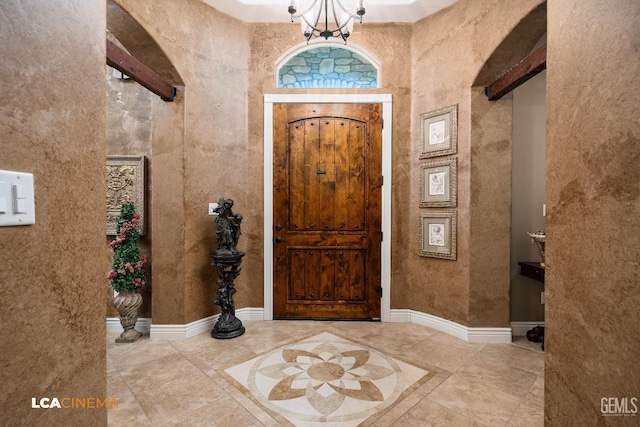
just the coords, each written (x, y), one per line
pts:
(490, 177)
(327, 64)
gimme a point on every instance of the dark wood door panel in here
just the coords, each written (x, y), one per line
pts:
(327, 210)
(326, 275)
(327, 181)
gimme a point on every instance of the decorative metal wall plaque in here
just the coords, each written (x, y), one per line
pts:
(125, 183)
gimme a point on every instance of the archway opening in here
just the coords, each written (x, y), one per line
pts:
(139, 123)
(492, 133)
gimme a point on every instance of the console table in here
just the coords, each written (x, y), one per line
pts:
(532, 270)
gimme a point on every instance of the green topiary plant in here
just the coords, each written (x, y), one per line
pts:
(127, 273)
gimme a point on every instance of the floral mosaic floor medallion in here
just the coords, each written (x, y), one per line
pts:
(326, 380)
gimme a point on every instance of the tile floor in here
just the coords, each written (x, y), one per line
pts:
(184, 382)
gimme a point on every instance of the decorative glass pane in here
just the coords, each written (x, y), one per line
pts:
(328, 67)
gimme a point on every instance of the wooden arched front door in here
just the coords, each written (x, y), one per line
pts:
(327, 211)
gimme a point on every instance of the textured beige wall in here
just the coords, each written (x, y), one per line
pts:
(167, 210)
(52, 121)
(455, 53)
(593, 216)
(200, 159)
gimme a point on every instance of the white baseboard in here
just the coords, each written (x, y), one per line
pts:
(180, 332)
(177, 332)
(250, 313)
(465, 333)
(400, 315)
(142, 324)
(520, 328)
(489, 335)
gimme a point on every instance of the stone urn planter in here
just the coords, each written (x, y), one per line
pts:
(127, 275)
(127, 303)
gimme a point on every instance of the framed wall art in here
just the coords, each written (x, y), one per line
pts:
(438, 235)
(439, 132)
(125, 183)
(439, 184)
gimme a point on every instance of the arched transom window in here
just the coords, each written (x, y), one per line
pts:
(327, 66)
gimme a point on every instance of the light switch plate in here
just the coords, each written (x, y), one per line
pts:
(212, 208)
(17, 202)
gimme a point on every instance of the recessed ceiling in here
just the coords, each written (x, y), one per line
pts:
(377, 10)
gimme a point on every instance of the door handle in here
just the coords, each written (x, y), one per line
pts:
(280, 239)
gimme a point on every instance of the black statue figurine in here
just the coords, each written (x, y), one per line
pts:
(227, 261)
(227, 228)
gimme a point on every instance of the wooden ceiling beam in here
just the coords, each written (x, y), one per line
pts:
(531, 65)
(127, 64)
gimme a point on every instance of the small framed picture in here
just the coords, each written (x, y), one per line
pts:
(438, 235)
(438, 132)
(439, 184)
(125, 183)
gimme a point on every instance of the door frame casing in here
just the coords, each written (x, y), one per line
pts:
(385, 100)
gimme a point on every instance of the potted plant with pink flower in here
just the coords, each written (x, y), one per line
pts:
(127, 276)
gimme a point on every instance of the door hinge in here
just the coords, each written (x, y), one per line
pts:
(381, 236)
(381, 181)
(379, 289)
(382, 121)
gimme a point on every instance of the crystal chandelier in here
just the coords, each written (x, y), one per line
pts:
(315, 19)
